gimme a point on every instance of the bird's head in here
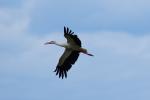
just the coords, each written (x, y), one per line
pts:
(50, 42)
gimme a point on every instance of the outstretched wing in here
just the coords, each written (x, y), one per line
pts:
(71, 37)
(66, 61)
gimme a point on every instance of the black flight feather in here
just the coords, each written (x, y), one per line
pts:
(70, 34)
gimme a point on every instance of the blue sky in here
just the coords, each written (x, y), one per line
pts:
(116, 32)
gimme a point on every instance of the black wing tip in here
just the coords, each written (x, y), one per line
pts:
(65, 27)
(61, 72)
(68, 31)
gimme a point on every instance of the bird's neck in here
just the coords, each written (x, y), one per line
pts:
(61, 44)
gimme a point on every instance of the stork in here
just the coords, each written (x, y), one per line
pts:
(72, 50)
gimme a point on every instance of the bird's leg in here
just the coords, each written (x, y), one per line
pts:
(85, 52)
(89, 54)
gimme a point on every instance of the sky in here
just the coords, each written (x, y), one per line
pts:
(116, 31)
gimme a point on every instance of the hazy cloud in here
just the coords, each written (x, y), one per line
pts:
(130, 16)
(119, 69)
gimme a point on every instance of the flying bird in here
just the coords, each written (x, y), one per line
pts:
(72, 51)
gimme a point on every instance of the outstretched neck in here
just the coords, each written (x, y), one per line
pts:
(58, 44)
(61, 44)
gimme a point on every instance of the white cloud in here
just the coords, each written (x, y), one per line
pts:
(15, 21)
(118, 49)
(120, 43)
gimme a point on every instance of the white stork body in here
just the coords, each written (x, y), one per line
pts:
(71, 53)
